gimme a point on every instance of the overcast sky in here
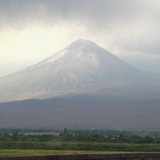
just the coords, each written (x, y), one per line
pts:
(32, 30)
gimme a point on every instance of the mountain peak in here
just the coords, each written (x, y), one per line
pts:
(81, 48)
(82, 53)
(82, 43)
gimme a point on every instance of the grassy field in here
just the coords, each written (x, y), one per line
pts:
(29, 152)
(72, 148)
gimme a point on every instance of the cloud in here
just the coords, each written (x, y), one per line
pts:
(103, 13)
(133, 25)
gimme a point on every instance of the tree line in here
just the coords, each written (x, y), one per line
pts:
(100, 136)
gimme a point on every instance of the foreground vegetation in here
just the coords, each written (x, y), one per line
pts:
(44, 142)
(29, 152)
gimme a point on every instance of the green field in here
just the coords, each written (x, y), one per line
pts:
(20, 143)
(29, 152)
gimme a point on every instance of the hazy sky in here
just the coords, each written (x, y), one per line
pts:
(31, 30)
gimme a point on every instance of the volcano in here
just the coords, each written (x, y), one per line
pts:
(82, 86)
(81, 68)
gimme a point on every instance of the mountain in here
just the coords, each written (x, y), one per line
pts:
(82, 86)
(81, 68)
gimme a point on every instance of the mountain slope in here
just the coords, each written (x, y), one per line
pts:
(81, 112)
(82, 67)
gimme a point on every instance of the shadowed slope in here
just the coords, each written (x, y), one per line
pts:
(81, 112)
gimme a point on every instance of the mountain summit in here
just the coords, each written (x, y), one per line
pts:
(79, 50)
(81, 68)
